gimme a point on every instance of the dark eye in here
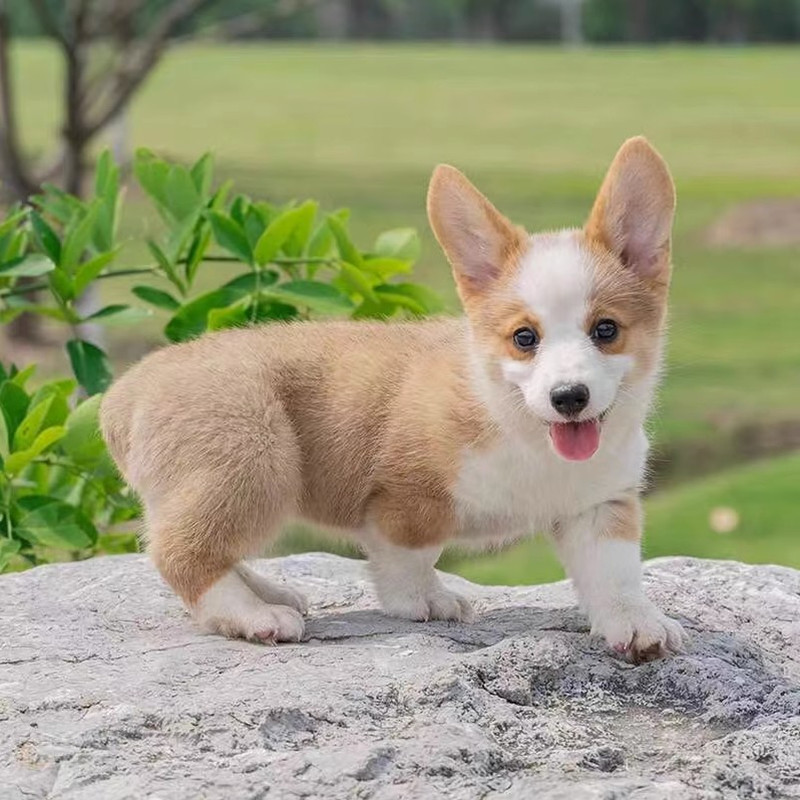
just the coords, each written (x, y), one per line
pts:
(525, 338)
(605, 331)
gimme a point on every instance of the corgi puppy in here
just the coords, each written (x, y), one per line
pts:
(525, 415)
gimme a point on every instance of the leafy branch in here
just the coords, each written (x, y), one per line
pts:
(59, 492)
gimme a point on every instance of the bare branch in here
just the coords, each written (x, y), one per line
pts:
(50, 169)
(12, 161)
(132, 73)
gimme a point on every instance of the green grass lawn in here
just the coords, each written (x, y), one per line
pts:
(536, 128)
(362, 126)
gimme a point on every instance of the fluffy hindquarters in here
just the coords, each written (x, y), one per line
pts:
(211, 503)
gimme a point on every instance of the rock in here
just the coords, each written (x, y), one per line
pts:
(108, 691)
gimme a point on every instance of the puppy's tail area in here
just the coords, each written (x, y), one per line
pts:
(116, 414)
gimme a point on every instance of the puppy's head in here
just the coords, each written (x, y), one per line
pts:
(568, 324)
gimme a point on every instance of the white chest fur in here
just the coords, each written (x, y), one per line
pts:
(516, 487)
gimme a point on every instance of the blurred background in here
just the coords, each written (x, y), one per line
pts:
(353, 102)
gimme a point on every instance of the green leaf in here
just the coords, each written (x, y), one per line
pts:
(426, 299)
(104, 173)
(87, 272)
(347, 250)
(118, 315)
(181, 196)
(278, 233)
(355, 281)
(202, 173)
(11, 222)
(232, 316)
(390, 300)
(402, 243)
(385, 268)
(61, 386)
(230, 235)
(320, 297)
(29, 266)
(77, 239)
(192, 318)
(218, 198)
(197, 251)
(30, 427)
(267, 309)
(43, 311)
(297, 242)
(152, 174)
(13, 246)
(46, 237)
(246, 282)
(5, 445)
(61, 284)
(82, 441)
(9, 314)
(90, 366)
(14, 403)
(254, 225)
(321, 242)
(165, 263)
(107, 190)
(8, 549)
(17, 461)
(266, 211)
(58, 204)
(22, 377)
(156, 297)
(58, 394)
(381, 309)
(50, 522)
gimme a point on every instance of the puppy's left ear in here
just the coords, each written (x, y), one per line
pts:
(632, 215)
(480, 243)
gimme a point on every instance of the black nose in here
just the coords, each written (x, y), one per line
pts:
(570, 399)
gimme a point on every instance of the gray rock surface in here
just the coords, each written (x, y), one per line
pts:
(107, 691)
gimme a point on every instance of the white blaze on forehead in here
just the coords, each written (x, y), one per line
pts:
(555, 281)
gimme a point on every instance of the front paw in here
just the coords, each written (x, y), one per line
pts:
(639, 631)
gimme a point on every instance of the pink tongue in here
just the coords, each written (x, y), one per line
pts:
(575, 441)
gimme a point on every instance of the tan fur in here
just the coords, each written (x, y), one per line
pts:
(638, 306)
(483, 246)
(625, 519)
(344, 424)
(637, 197)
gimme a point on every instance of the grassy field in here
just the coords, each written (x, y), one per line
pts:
(535, 128)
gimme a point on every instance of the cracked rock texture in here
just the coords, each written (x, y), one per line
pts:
(108, 691)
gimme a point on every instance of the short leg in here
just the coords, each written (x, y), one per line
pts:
(408, 586)
(205, 515)
(601, 553)
(271, 592)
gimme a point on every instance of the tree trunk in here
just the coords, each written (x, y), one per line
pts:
(638, 20)
(332, 19)
(572, 22)
(73, 134)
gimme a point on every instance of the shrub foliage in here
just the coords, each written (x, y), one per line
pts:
(60, 495)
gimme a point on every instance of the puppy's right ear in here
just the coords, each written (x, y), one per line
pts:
(632, 215)
(479, 242)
